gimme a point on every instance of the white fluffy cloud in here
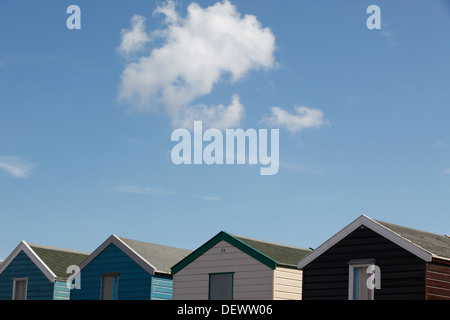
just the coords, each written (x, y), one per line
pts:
(303, 118)
(16, 166)
(134, 40)
(219, 117)
(197, 52)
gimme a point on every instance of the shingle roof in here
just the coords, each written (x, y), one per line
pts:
(57, 259)
(268, 253)
(160, 256)
(425, 245)
(284, 255)
(436, 244)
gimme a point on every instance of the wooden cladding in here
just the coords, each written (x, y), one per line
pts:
(402, 273)
(437, 281)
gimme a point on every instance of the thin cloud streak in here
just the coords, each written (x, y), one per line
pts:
(16, 167)
(142, 190)
(209, 198)
(301, 169)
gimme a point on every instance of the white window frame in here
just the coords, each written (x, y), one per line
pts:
(363, 263)
(15, 280)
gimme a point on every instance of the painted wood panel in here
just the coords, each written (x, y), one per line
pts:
(38, 288)
(60, 291)
(402, 273)
(134, 282)
(287, 284)
(252, 279)
(438, 281)
(162, 288)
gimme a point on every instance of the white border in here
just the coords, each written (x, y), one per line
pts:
(147, 266)
(351, 268)
(23, 246)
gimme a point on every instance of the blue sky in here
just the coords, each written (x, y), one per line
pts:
(85, 140)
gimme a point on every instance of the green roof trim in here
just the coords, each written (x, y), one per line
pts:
(264, 252)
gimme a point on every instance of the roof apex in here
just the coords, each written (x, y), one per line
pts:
(384, 229)
(245, 244)
(137, 251)
(38, 258)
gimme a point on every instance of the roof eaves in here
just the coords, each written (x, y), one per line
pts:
(374, 226)
(231, 240)
(113, 239)
(280, 253)
(430, 242)
(23, 246)
(247, 248)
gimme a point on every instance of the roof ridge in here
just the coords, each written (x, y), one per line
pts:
(385, 223)
(152, 243)
(57, 249)
(272, 243)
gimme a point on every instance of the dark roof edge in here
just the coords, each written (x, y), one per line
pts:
(231, 240)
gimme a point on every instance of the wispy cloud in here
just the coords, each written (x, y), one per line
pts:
(300, 169)
(142, 190)
(28, 60)
(197, 53)
(446, 171)
(388, 33)
(15, 166)
(439, 144)
(354, 100)
(302, 118)
(209, 198)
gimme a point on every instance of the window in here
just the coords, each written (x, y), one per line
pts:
(110, 286)
(20, 289)
(221, 286)
(359, 286)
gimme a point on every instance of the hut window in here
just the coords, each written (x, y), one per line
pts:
(110, 286)
(358, 284)
(221, 286)
(20, 289)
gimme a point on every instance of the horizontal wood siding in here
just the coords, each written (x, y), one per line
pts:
(438, 281)
(39, 287)
(61, 292)
(287, 284)
(162, 287)
(252, 279)
(134, 282)
(402, 273)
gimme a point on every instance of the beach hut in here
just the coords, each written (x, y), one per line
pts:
(231, 267)
(126, 269)
(375, 260)
(37, 272)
